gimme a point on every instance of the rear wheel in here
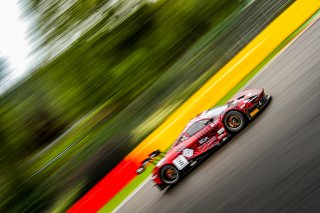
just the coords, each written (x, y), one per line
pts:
(234, 121)
(170, 174)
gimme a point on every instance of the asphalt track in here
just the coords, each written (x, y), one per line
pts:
(271, 166)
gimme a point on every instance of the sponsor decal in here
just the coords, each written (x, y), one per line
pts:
(203, 140)
(220, 131)
(187, 153)
(254, 112)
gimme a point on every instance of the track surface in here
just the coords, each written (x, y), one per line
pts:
(271, 166)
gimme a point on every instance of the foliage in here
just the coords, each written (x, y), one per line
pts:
(76, 116)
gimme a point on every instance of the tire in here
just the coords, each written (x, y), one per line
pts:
(174, 173)
(234, 121)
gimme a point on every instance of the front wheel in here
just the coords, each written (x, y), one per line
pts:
(170, 174)
(234, 121)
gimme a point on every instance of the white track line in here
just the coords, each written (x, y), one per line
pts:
(132, 194)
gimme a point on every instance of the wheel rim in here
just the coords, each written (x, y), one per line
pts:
(171, 174)
(234, 121)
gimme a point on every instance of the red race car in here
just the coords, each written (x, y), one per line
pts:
(206, 131)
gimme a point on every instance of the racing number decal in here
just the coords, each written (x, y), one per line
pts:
(180, 162)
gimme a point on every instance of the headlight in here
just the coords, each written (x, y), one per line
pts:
(187, 153)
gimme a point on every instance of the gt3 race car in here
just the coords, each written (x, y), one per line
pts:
(206, 131)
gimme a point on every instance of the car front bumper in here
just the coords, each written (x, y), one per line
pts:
(259, 106)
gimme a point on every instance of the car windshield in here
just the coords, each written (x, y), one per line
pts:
(197, 126)
(214, 111)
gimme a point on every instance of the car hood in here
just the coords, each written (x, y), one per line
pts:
(245, 95)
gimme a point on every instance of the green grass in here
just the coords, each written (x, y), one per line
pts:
(130, 187)
(126, 191)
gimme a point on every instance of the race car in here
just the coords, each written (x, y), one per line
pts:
(203, 133)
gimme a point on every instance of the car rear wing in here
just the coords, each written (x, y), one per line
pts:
(150, 159)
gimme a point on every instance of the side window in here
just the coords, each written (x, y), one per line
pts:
(194, 128)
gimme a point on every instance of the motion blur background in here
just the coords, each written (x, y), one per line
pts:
(84, 81)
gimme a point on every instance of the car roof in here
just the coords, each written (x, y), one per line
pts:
(204, 116)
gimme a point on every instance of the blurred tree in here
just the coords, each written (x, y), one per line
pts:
(126, 58)
(3, 67)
